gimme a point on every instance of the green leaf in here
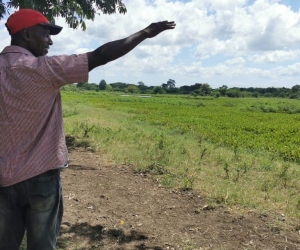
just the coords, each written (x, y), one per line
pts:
(74, 11)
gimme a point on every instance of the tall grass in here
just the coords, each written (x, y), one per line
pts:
(229, 150)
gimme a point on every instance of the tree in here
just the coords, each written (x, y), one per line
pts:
(185, 89)
(91, 86)
(143, 88)
(234, 93)
(81, 84)
(164, 85)
(74, 11)
(216, 93)
(196, 86)
(119, 86)
(171, 84)
(296, 89)
(158, 90)
(295, 92)
(223, 90)
(132, 89)
(108, 88)
(102, 84)
(87, 86)
(70, 87)
(205, 89)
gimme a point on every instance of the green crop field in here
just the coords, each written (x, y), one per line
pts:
(242, 152)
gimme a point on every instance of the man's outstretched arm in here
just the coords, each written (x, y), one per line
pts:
(113, 50)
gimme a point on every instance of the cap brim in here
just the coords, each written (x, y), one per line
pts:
(54, 29)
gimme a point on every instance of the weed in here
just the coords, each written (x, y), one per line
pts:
(298, 205)
(169, 180)
(238, 174)
(203, 152)
(284, 175)
(24, 243)
(235, 150)
(86, 128)
(266, 187)
(266, 166)
(200, 140)
(161, 142)
(188, 179)
(229, 104)
(200, 104)
(184, 151)
(154, 169)
(62, 244)
(226, 169)
(245, 167)
(70, 112)
(83, 143)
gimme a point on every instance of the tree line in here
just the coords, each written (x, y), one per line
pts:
(197, 89)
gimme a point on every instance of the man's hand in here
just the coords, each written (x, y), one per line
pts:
(155, 28)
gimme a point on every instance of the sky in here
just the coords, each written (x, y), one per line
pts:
(238, 43)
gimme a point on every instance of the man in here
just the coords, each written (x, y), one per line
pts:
(32, 141)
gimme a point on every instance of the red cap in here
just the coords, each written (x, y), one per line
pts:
(26, 18)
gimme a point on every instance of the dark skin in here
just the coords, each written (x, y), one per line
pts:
(37, 40)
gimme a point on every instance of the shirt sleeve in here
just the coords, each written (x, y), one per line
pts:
(67, 69)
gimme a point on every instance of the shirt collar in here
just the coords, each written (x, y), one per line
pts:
(16, 49)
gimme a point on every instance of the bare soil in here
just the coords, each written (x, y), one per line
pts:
(111, 207)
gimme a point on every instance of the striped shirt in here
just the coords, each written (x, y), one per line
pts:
(32, 139)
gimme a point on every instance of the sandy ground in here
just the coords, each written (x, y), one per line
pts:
(111, 207)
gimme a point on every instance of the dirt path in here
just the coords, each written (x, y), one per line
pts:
(110, 207)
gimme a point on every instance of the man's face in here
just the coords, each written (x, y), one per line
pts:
(39, 40)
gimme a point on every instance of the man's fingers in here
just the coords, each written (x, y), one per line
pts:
(168, 25)
(155, 28)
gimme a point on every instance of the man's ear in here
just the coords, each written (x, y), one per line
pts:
(25, 34)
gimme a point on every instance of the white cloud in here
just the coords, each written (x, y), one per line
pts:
(68, 41)
(274, 27)
(226, 4)
(275, 56)
(232, 70)
(236, 61)
(215, 46)
(82, 50)
(291, 70)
